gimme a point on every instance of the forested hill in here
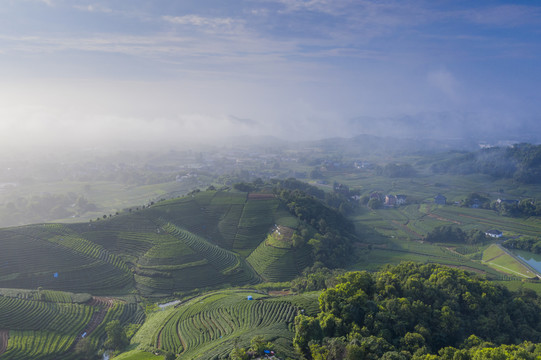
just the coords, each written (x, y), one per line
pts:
(412, 310)
(522, 162)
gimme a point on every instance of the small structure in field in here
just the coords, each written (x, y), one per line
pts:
(390, 200)
(249, 297)
(494, 233)
(440, 199)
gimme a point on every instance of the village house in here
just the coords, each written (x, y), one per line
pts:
(400, 199)
(494, 233)
(440, 199)
(507, 201)
(390, 200)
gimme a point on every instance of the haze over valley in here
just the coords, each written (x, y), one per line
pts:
(285, 179)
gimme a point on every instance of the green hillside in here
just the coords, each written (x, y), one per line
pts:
(200, 241)
(54, 274)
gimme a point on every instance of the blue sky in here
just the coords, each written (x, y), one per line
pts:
(300, 69)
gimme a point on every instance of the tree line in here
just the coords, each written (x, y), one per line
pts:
(419, 311)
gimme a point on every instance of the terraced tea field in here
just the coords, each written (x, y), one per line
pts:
(210, 326)
(50, 327)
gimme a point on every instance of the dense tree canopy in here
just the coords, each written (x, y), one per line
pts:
(454, 234)
(412, 310)
(526, 243)
(522, 162)
(332, 239)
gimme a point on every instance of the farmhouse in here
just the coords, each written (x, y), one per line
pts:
(390, 200)
(440, 199)
(400, 199)
(494, 233)
(507, 201)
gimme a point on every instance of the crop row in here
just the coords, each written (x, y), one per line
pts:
(21, 253)
(43, 295)
(275, 264)
(221, 258)
(36, 315)
(37, 345)
(229, 224)
(220, 322)
(133, 222)
(223, 197)
(89, 249)
(255, 222)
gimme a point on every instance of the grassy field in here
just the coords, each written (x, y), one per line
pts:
(497, 258)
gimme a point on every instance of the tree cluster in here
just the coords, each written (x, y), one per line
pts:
(454, 234)
(334, 234)
(411, 311)
(476, 200)
(525, 207)
(526, 243)
(522, 162)
(316, 277)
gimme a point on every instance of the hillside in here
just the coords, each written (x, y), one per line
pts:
(206, 240)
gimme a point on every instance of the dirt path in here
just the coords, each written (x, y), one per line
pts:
(104, 303)
(4, 336)
(437, 217)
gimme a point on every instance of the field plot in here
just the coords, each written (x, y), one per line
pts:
(254, 225)
(487, 219)
(209, 326)
(500, 260)
(37, 256)
(395, 251)
(45, 329)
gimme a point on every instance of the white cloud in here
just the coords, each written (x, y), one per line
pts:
(96, 8)
(213, 23)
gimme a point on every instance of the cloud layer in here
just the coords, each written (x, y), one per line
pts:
(291, 68)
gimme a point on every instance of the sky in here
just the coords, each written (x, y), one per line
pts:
(93, 72)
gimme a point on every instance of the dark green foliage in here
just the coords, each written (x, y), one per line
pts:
(86, 350)
(522, 162)
(476, 200)
(314, 278)
(244, 187)
(526, 243)
(332, 244)
(116, 337)
(454, 234)
(375, 203)
(413, 309)
(169, 356)
(524, 207)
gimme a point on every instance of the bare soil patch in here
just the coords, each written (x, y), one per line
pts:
(4, 336)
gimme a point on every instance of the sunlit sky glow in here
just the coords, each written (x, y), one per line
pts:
(85, 72)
